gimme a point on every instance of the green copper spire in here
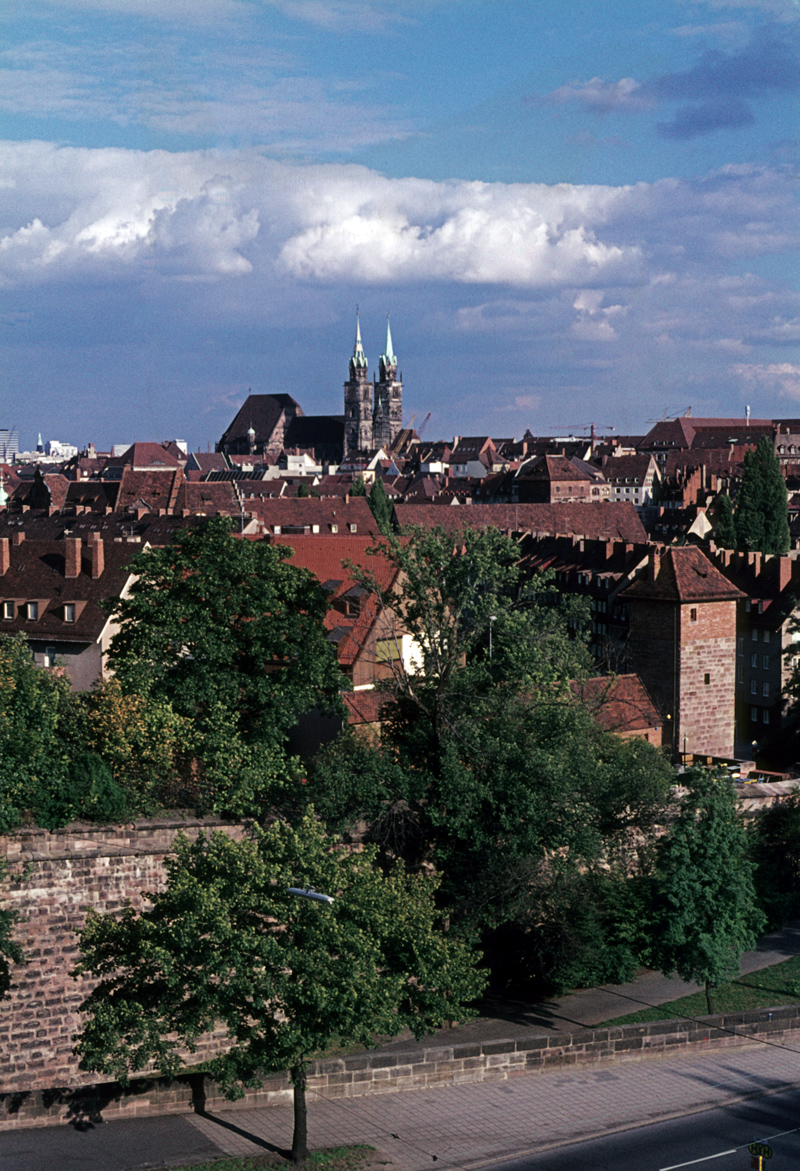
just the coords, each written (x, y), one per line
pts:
(359, 358)
(388, 355)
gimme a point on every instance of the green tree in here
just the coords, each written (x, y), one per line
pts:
(491, 769)
(359, 487)
(381, 507)
(35, 737)
(231, 636)
(724, 525)
(775, 848)
(225, 946)
(761, 513)
(303, 489)
(706, 912)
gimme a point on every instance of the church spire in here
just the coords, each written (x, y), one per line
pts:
(359, 358)
(388, 355)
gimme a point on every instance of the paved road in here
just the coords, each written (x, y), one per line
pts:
(701, 1140)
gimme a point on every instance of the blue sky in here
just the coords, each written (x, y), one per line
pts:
(576, 211)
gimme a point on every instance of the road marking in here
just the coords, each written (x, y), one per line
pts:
(694, 1162)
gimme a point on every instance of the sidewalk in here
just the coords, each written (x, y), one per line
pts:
(459, 1125)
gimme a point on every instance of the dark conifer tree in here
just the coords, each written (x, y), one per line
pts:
(761, 515)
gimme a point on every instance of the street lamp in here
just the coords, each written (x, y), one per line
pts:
(492, 620)
(308, 892)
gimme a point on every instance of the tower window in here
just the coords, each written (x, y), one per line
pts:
(693, 614)
(706, 678)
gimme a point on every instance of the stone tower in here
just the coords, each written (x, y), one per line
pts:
(358, 400)
(388, 411)
(682, 644)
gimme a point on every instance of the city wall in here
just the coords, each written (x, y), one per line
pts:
(54, 878)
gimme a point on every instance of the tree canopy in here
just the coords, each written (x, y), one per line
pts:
(761, 513)
(490, 768)
(706, 913)
(231, 636)
(225, 946)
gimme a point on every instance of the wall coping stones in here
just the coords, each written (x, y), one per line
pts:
(416, 1068)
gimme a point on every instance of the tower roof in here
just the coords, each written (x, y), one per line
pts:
(388, 356)
(359, 358)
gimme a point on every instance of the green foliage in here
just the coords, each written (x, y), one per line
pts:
(493, 772)
(381, 507)
(761, 514)
(228, 637)
(224, 946)
(359, 487)
(89, 793)
(724, 525)
(34, 733)
(775, 850)
(706, 912)
(303, 490)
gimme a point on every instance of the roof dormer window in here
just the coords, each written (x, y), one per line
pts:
(32, 611)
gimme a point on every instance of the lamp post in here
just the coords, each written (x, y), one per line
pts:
(297, 1072)
(492, 620)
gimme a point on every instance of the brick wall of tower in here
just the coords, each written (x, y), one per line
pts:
(707, 678)
(358, 414)
(673, 653)
(651, 655)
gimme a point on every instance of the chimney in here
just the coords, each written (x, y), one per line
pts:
(18, 538)
(5, 555)
(784, 565)
(72, 556)
(654, 566)
(98, 554)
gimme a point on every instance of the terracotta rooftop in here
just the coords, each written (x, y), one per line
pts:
(602, 520)
(682, 574)
(619, 703)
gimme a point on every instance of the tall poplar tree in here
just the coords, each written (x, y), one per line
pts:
(761, 514)
(706, 907)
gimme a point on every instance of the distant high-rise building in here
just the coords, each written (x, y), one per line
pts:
(9, 443)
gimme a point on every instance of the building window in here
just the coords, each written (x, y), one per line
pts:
(754, 659)
(693, 614)
(706, 679)
(33, 611)
(765, 689)
(50, 656)
(754, 634)
(754, 714)
(765, 636)
(8, 609)
(765, 662)
(740, 644)
(747, 605)
(740, 673)
(69, 611)
(753, 687)
(334, 528)
(387, 650)
(765, 715)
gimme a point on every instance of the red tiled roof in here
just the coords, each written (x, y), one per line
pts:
(619, 703)
(602, 520)
(364, 706)
(684, 575)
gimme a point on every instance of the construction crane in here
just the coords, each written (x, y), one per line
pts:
(668, 415)
(590, 427)
(424, 424)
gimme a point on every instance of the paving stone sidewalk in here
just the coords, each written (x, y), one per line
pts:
(464, 1125)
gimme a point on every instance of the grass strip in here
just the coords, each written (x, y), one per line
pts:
(329, 1159)
(768, 988)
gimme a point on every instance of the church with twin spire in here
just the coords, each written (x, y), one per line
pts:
(373, 411)
(267, 424)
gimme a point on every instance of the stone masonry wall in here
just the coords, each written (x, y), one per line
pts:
(707, 678)
(386, 1073)
(54, 878)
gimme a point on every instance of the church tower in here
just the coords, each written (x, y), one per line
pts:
(387, 417)
(358, 400)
